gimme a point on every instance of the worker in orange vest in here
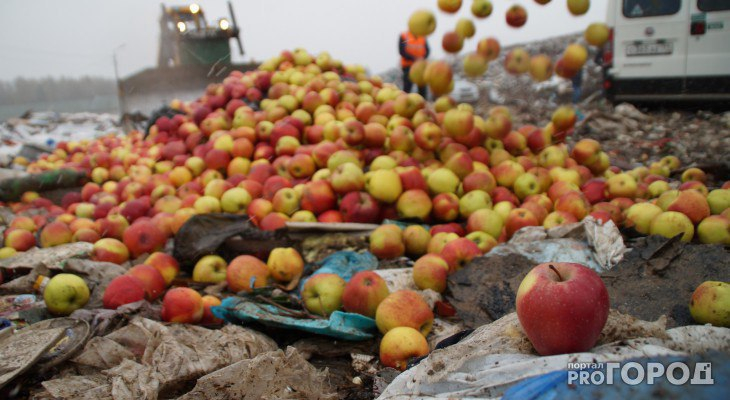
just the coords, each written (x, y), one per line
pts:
(411, 49)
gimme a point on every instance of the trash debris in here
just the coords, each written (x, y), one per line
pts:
(103, 321)
(346, 264)
(155, 359)
(25, 268)
(553, 384)
(323, 347)
(11, 189)
(273, 375)
(498, 355)
(48, 128)
(598, 246)
(341, 325)
(208, 234)
(76, 332)
(21, 350)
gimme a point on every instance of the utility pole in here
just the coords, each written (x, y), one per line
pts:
(120, 89)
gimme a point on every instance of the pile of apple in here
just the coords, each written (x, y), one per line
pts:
(330, 144)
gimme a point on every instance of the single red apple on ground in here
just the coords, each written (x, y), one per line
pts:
(562, 307)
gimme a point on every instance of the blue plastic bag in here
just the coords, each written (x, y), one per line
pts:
(554, 385)
(341, 325)
(345, 264)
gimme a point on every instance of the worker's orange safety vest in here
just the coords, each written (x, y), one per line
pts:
(415, 46)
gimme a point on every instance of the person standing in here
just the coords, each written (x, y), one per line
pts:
(411, 48)
(577, 81)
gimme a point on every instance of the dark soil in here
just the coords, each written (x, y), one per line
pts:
(657, 277)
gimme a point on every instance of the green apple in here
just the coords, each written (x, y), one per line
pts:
(710, 304)
(670, 224)
(210, 269)
(235, 200)
(719, 200)
(525, 185)
(322, 293)
(442, 180)
(640, 215)
(384, 184)
(714, 229)
(65, 293)
(474, 201)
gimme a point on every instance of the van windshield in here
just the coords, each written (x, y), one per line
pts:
(650, 8)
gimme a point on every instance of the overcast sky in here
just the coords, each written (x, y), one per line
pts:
(78, 37)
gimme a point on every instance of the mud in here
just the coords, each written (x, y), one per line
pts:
(656, 278)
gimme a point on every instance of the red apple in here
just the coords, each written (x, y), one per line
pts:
(562, 307)
(359, 207)
(516, 16)
(457, 253)
(364, 292)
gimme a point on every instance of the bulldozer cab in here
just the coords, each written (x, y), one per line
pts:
(193, 52)
(187, 38)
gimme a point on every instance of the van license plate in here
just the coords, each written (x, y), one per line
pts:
(648, 49)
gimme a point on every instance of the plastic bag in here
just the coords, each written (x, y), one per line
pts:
(347, 263)
(598, 246)
(210, 233)
(497, 356)
(553, 384)
(341, 325)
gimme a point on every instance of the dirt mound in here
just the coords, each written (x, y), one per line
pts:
(657, 277)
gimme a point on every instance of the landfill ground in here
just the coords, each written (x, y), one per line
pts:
(632, 134)
(133, 354)
(698, 137)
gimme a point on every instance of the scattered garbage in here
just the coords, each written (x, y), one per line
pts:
(44, 129)
(145, 359)
(552, 385)
(11, 189)
(498, 355)
(24, 269)
(340, 325)
(209, 234)
(272, 375)
(266, 344)
(599, 246)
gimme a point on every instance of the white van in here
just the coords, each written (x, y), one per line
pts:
(663, 50)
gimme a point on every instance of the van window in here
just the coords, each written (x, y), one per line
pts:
(652, 8)
(713, 5)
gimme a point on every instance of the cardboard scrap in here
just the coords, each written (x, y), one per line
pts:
(146, 359)
(21, 350)
(272, 375)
